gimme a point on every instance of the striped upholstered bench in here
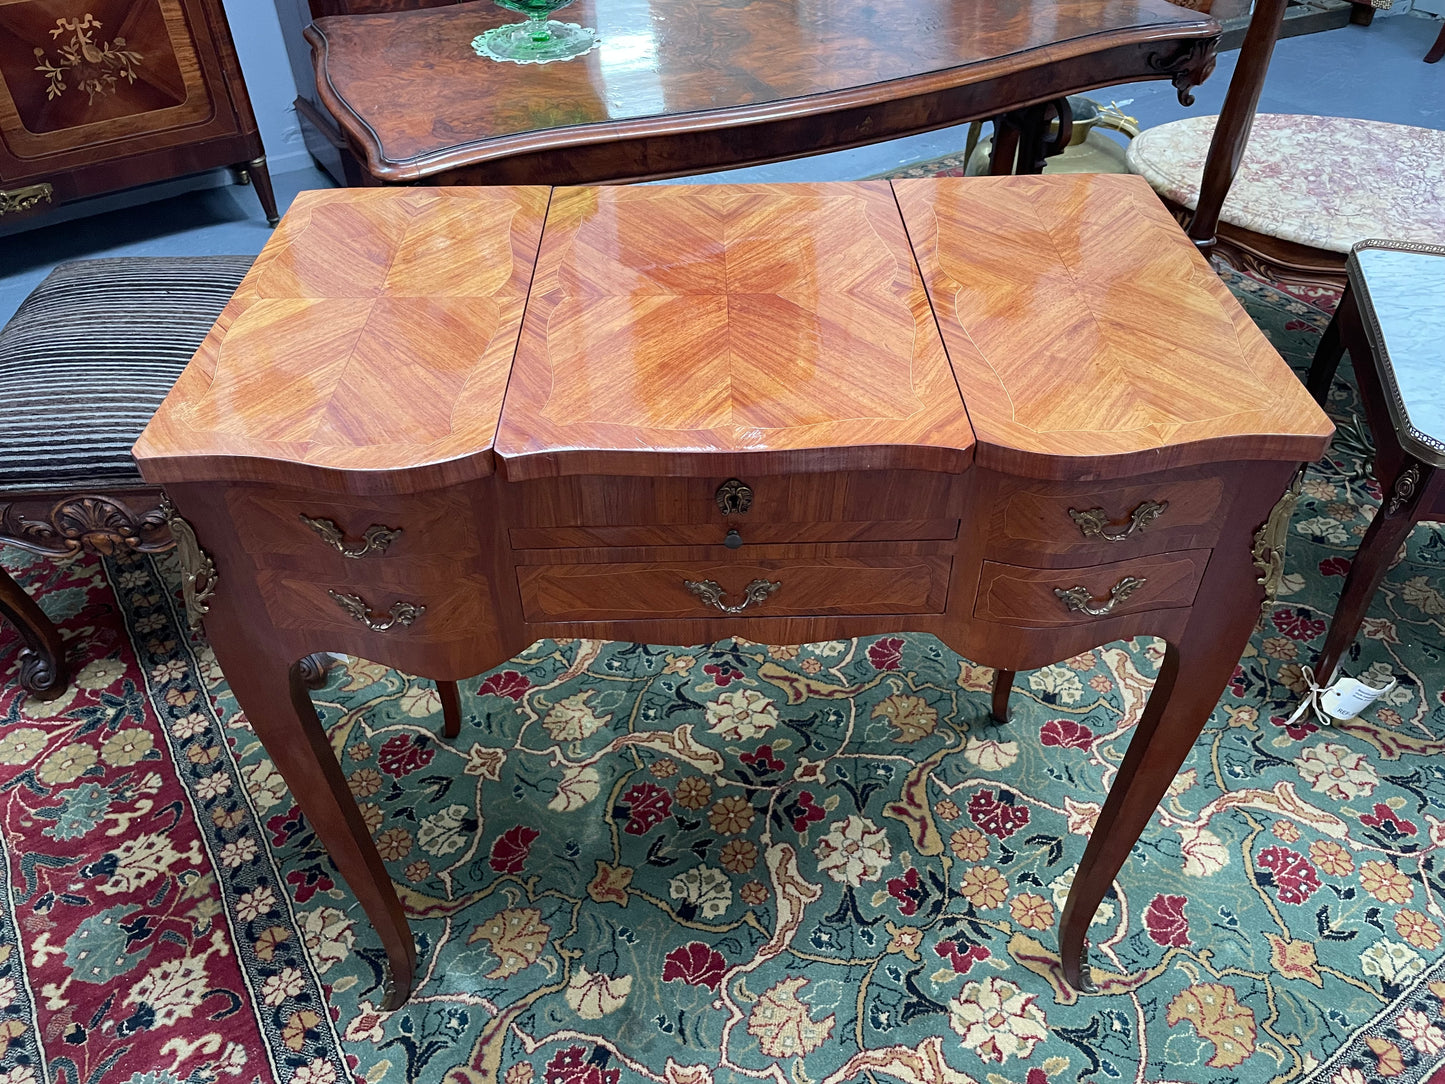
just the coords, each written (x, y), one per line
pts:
(84, 363)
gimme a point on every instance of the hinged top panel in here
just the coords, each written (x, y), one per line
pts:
(698, 330)
(1090, 338)
(366, 351)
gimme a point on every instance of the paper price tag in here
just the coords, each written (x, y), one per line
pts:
(1346, 697)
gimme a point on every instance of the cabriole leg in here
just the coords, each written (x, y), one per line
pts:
(279, 709)
(42, 659)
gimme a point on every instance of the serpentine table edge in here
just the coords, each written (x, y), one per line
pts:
(713, 86)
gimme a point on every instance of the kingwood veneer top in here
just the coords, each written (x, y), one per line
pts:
(391, 340)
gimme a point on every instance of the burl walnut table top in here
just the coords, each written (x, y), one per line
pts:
(396, 340)
(416, 101)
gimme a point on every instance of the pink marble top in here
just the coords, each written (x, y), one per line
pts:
(1325, 182)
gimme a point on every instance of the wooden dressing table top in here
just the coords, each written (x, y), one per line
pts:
(1088, 341)
(668, 324)
(690, 329)
(367, 349)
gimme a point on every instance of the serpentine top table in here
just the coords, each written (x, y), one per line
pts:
(1019, 413)
(696, 85)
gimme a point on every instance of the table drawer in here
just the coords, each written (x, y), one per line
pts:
(714, 534)
(1054, 597)
(358, 533)
(805, 586)
(446, 603)
(837, 497)
(1108, 520)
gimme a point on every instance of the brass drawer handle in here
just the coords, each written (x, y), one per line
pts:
(23, 199)
(1079, 598)
(1095, 521)
(374, 540)
(402, 613)
(712, 595)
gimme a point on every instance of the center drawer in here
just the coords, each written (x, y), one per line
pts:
(795, 586)
(837, 500)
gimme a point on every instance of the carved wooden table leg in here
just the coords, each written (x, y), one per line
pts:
(1331, 349)
(1021, 137)
(1408, 494)
(451, 708)
(1003, 685)
(278, 707)
(1194, 672)
(42, 659)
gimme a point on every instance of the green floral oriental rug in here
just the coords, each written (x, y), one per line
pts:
(738, 862)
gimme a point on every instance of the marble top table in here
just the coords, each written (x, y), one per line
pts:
(1321, 182)
(1391, 319)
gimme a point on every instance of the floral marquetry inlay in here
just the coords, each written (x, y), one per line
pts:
(85, 61)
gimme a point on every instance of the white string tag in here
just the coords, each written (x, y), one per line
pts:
(1343, 699)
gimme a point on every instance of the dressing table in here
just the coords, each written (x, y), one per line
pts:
(1018, 413)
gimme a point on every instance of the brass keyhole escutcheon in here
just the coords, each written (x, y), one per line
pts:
(734, 497)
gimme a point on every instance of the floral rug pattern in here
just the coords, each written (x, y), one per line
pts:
(738, 862)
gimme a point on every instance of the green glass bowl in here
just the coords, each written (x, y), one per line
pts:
(539, 40)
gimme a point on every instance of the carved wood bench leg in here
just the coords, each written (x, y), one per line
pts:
(42, 659)
(1003, 684)
(451, 708)
(314, 668)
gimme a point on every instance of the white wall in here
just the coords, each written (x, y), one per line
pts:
(268, 79)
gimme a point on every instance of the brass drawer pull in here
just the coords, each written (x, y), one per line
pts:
(1095, 521)
(712, 595)
(374, 540)
(1079, 598)
(23, 199)
(402, 613)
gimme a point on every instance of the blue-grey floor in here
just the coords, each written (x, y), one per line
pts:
(1373, 72)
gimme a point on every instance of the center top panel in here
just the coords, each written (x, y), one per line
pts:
(692, 329)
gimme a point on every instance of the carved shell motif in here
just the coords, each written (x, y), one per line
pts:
(89, 523)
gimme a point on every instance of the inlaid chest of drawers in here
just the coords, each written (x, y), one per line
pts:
(1020, 414)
